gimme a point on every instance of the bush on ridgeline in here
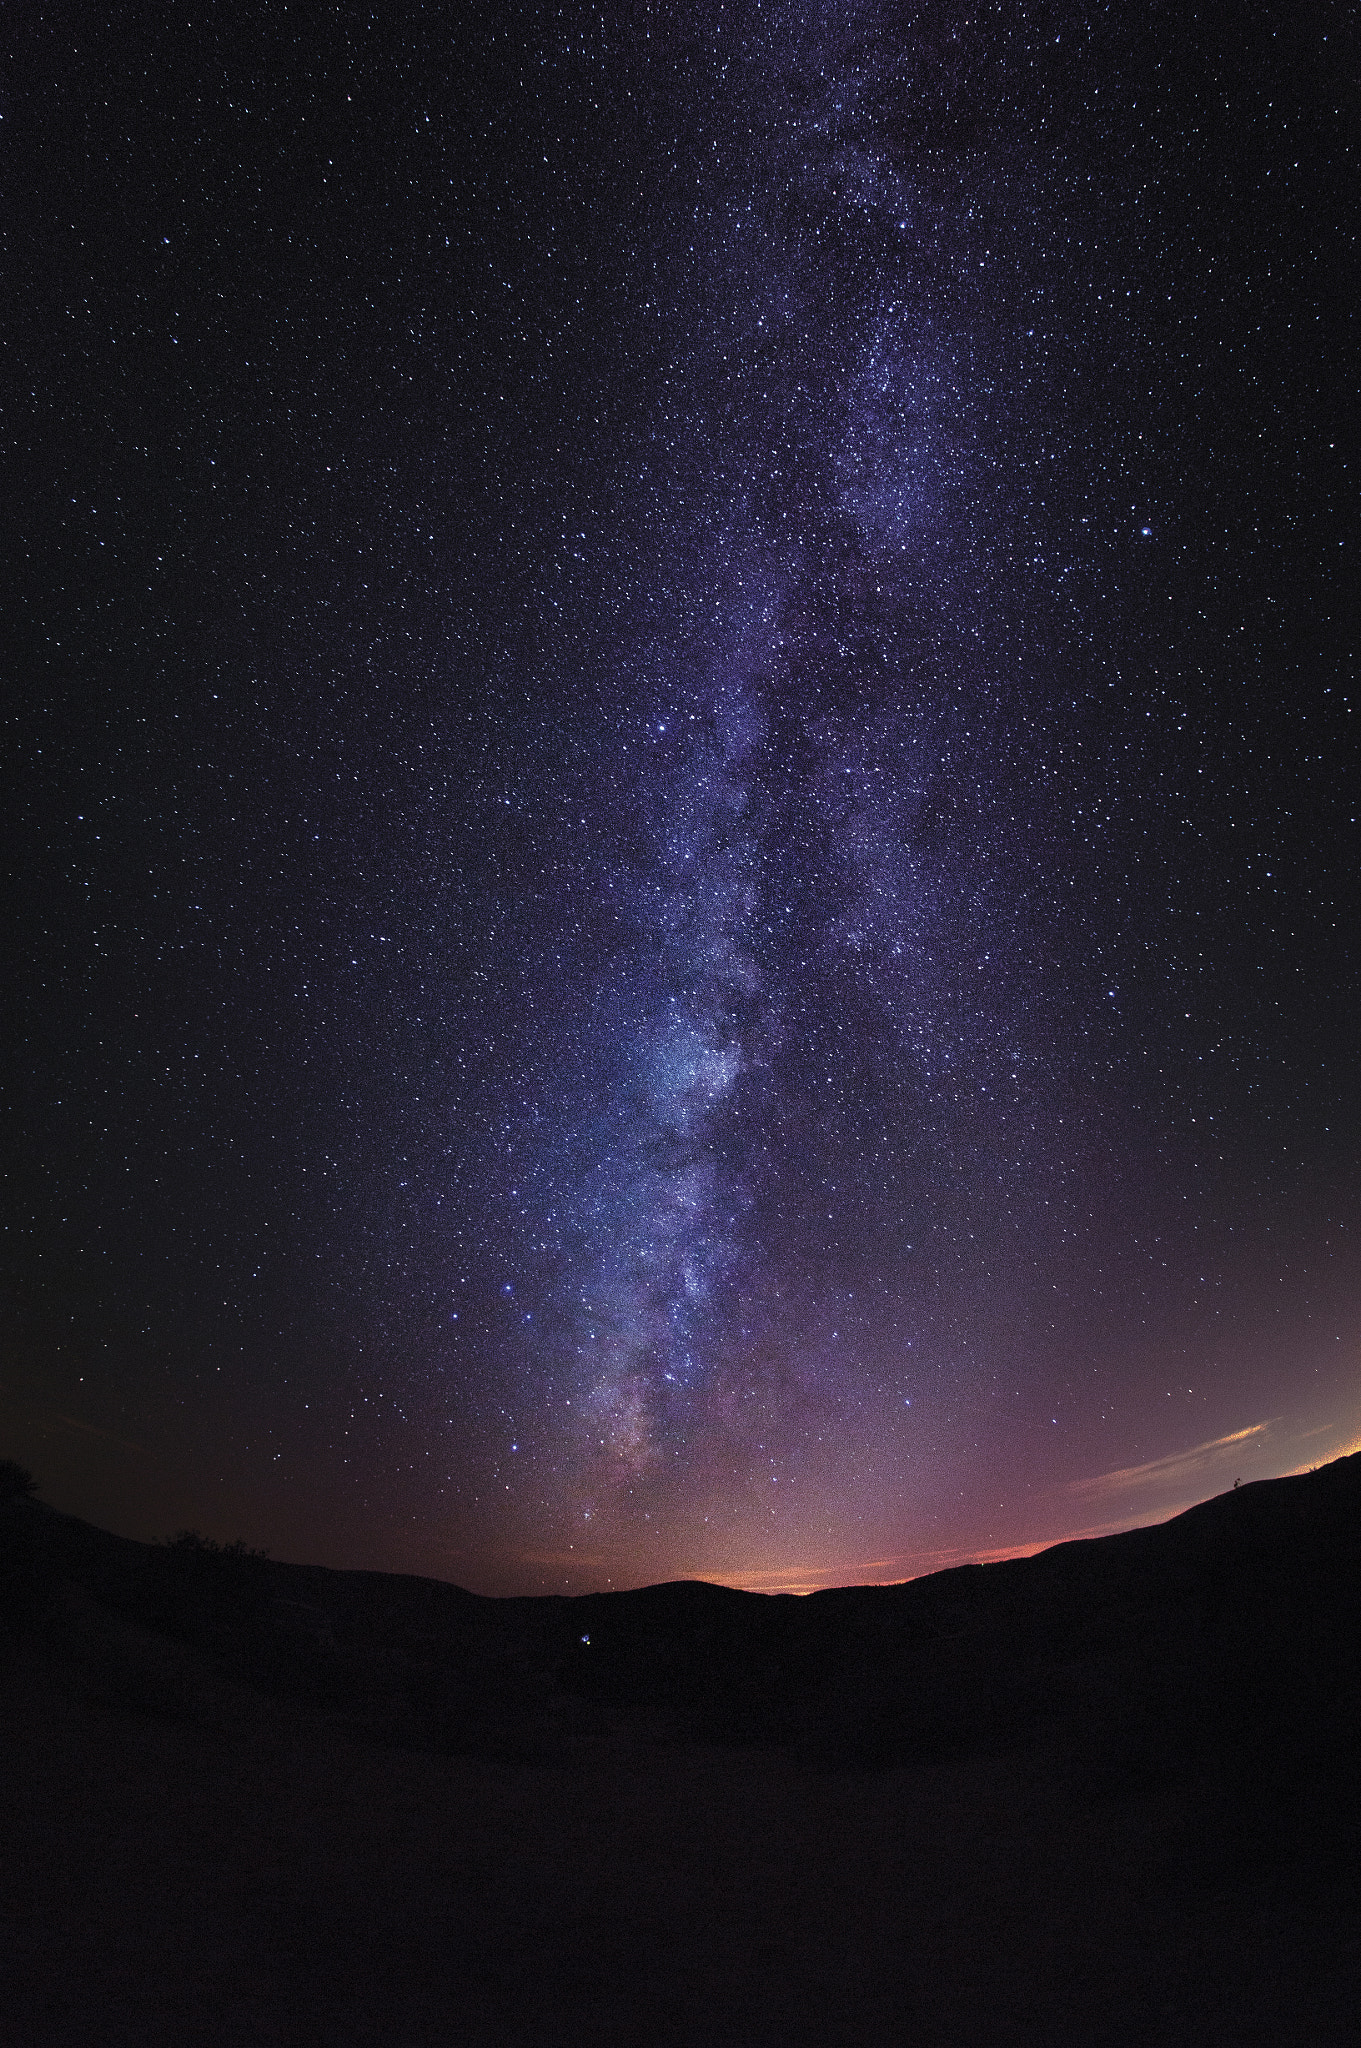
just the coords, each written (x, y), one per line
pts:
(212, 1586)
(187, 1543)
(16, 1481)
(28, 1578)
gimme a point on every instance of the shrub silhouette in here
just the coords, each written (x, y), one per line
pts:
(16, 1481)
(211, 1590)
(27, 1575)
(187, 1543)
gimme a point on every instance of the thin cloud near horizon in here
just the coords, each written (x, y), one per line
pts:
(897, 1569)
(1176, 1466)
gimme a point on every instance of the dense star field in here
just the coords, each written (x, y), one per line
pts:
(680, 775)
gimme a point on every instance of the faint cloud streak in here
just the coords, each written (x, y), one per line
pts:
(1176, 1468)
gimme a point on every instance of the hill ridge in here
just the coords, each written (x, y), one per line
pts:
(1234, 1619)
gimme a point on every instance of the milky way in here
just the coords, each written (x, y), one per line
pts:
(688, 865)
(848, 927)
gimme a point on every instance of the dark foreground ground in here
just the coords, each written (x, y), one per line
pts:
(1106, 1796)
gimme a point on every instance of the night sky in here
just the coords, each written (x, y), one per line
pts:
(679, 777)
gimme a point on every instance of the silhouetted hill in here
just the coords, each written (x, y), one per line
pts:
(1098, 1798)
(1232, 1629)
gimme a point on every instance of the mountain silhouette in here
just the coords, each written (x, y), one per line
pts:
(1106, 1793)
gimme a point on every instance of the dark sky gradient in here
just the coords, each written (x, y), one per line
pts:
(680, 776)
